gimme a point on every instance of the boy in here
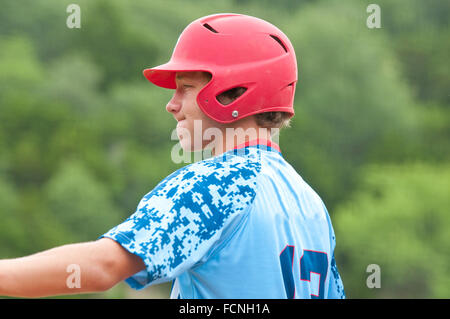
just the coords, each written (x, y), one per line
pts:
(240, 224)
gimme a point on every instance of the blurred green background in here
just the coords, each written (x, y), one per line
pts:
(83, 135)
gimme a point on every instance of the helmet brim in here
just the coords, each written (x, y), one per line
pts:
(164, 74)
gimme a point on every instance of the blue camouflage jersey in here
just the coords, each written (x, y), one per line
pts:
(242, 224)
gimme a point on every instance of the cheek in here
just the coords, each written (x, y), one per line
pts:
(193, 113)
(196, 121)
(191, 109)
(187, 128)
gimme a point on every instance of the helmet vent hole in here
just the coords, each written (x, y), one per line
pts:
(230, 95)
(210, 28)
(279, 42)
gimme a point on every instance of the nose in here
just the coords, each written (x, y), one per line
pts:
(174, 105)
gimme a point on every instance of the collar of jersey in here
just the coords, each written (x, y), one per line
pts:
(260, 143)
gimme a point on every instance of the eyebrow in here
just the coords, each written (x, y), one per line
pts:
(189, 75)
(183, 79)
(182, 76)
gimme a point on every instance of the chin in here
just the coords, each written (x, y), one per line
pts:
(189, 146)
(186, 144)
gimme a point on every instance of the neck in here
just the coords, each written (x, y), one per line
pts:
(234, 137)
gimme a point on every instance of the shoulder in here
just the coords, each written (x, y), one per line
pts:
(221, 181)
(222, 171)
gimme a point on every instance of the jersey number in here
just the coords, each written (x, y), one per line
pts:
(311, 262)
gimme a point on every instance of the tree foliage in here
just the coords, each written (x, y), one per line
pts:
(83, 135)
(398, 219)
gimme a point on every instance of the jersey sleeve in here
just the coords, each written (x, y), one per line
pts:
(185, 216)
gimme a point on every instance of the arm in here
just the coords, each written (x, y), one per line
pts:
(102, 264)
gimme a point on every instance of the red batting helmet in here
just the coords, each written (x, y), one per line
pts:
(238, 51)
